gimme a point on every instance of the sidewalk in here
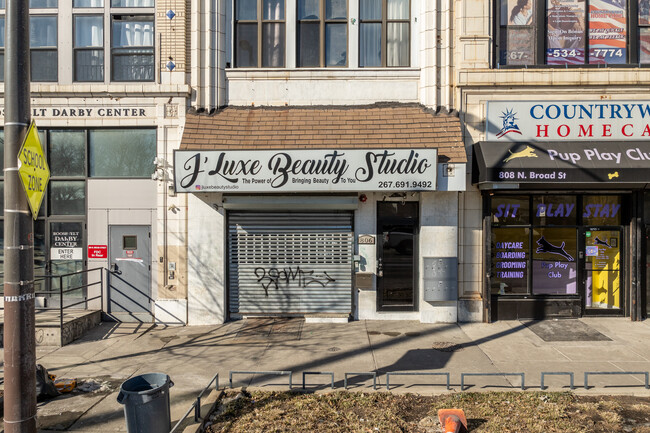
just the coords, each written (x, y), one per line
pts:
(112, 353)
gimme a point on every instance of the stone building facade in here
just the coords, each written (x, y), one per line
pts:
(536, 79)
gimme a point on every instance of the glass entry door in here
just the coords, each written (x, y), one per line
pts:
(397, 227)
(67, 258)
(603, 270)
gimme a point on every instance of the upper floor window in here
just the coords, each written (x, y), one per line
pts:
(132, 3)
(43, 4)
(259, 33)
(88, 3)
(384, 33)
(36, 4)
(132, 54)
(43, 47)
(322, 33)
(89, 48)
(573, 32)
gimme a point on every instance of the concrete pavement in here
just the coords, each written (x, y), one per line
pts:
(112, 353)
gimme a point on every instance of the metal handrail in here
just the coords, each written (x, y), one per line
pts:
(197, 404)
(61, 292)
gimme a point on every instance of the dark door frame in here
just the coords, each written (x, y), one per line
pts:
(397, 221)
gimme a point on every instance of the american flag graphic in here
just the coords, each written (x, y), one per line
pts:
(607, 32)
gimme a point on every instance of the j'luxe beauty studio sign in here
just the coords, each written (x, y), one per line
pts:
(318, 170)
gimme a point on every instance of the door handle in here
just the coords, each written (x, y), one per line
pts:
(380, 268)
(115, 269)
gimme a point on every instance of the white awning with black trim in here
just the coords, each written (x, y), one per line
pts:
(582, 162)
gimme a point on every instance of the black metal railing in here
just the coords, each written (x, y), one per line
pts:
(80, 280)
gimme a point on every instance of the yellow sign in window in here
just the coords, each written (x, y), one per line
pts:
(33, 170)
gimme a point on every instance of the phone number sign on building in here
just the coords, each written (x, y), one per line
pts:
(318, 170)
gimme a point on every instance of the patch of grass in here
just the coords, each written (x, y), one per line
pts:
(502, 412)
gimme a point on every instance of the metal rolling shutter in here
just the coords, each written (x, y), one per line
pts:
(290, 263)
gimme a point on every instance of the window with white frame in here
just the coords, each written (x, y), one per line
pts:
(43, 4)
(43, 47)
(132, 3)
(89, 48)
(132, 55)
(384, 33)
(129, 47)
(130, 39)
(260, 33)
(88, 3)
(322, 33)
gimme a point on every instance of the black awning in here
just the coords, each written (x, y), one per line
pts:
(563, 162)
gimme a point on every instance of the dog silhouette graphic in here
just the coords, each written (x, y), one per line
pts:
(547, 247)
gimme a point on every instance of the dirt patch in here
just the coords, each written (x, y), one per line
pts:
(502, 412)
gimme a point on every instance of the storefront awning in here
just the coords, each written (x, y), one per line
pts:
(600, 162)
(352, 127)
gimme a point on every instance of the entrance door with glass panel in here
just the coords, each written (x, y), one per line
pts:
(129, 283)
(397, 227)
(66, 263)
(602, 270)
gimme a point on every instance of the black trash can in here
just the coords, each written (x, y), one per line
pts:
(146, 403)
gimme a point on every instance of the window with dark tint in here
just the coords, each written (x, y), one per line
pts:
(122, 152)
(601, 210)
(67, 153)
(573, 32)
(67, 197)
(43, 51)
(555, 210)
(510, 260)
(510, 210)
(259, 33)
(129, 242)
(322, 33)
(89, 48)
(132, 48)
(384, 33)
(554, 261)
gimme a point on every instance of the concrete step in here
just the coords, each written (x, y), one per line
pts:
(48, 326)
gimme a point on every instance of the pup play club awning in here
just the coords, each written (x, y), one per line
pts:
(563, 162)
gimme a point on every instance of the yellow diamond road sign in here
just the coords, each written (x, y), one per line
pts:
(33, 169)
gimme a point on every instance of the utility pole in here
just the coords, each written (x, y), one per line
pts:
(19, 326)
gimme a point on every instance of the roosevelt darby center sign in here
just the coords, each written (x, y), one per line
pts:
(521, 121)
(319, 170)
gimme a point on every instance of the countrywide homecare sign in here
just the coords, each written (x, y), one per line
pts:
(516, 121)
(317, 170)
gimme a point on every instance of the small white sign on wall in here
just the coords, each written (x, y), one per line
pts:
(66, 253)
(367, 253)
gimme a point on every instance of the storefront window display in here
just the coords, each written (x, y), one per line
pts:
(536, 242)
